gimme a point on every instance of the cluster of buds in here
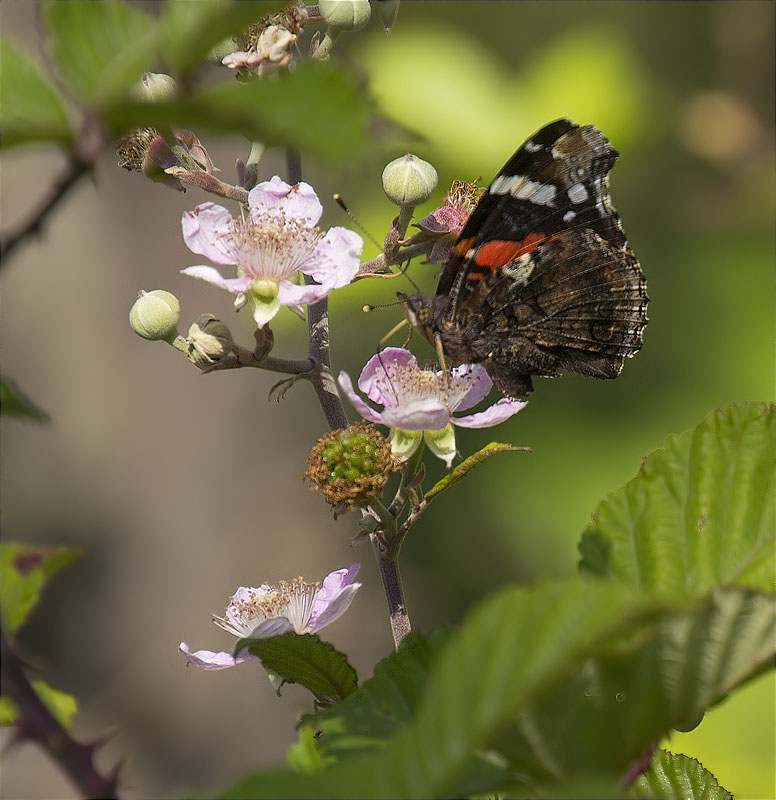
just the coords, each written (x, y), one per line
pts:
(146, 150)
(351, 466)
(155, 316)
(268, 45)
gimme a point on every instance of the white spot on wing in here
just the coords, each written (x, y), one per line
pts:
(532, 147)
(504, 183)
(569, 215)
(577, 193)
(543, 194)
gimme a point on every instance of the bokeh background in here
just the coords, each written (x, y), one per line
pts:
(180, 487)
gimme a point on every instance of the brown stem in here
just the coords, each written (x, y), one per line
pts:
(325, 388)
(394, 592)
(36, 722)
(209, 183)
(76, 169)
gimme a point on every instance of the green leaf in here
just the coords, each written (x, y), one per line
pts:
(16, 404)
(553, 684)
(305, 756)
(306, 660)
(24, 571)
(193, 29)
(458, 473)
(629, 696)
(32, 110)
(316, 109)
(9, 711)
(677, 777)
(62, 706)
(381, 705)
(102, 48)
(701, 513)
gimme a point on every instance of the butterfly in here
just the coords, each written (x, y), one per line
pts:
(541, 279)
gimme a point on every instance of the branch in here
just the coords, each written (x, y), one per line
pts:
(37, 723)
(76, 169)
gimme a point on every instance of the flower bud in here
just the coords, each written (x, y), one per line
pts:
(153, 87)
(350, 466)
(209, 340)
(409, 181)
(345, 15)
(155, 315)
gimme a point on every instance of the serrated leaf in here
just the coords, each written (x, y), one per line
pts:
(513, 644)
(546, 679)
(381, 705)
(305, 660)
(458, 473)
(15, 404)
(701, 513)
(317, 109)
(607, 714)
(193, 29)
(102, 48)
(677, 777)
(24, 571)
(31, 109)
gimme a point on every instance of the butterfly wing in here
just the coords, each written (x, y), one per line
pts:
(541, 278)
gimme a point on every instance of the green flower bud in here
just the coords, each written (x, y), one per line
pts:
(152, 87)
(409, 181)
(351, 466)
(209, 340)
(345, 15)
(155, 315)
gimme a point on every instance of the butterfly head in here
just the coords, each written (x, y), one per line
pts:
(419, 313)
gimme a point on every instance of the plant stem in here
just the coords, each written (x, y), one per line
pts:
(325, 388)
(75, 170)
(35, 722)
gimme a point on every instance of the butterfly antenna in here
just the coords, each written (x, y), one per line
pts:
(341, 203)
(395, 329)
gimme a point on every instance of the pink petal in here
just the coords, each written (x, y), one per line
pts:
(367, 412)
(292, 294)
(274, 626)
(498, 412)
(242, 59)
(296, 202)
(336, 608)
(209, 659)
(336, 258)
(374, 383)
(423, 414)
(211, 275)
(207, 231)
(328, 596)
(475, 375)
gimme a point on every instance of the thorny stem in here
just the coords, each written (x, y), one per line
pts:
(36, 722)
(75, 170)
(380, 263)
(325, 388)
(209, 183)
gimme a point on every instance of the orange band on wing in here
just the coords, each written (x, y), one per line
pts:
(462, 247)
(495, 254)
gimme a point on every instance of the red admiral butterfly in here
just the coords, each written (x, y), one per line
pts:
(541, 278)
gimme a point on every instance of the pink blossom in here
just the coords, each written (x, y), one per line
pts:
(271, 244)
(418, 403)
(265, 611)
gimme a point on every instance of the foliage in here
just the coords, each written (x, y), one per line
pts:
(542, 688)
(563, 688)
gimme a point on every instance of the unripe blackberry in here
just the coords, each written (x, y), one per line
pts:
(350, 466)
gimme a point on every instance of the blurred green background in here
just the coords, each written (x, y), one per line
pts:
(182, 487)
